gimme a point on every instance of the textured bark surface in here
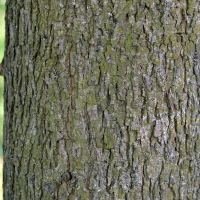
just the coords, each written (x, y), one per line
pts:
(102, 99)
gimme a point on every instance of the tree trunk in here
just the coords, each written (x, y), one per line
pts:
(102, 100)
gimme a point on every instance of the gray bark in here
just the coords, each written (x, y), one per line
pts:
(102, 100)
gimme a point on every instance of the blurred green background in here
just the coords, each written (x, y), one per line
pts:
(2, 35)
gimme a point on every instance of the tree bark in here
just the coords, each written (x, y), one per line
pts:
(102, 100)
